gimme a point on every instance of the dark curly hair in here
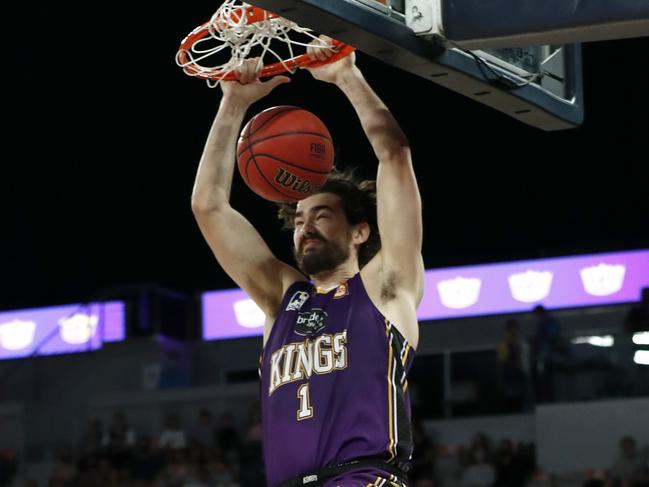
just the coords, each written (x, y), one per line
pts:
(358, 201)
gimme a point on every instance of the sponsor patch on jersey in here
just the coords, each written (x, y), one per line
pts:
(310, 323)
(342, 291)
(296, 302)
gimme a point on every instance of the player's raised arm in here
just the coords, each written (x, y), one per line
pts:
(237, 245)
(397, 196)
(398, 199)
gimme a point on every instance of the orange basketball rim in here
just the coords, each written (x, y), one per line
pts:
(240, 27)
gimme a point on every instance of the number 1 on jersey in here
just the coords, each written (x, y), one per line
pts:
(305, 411)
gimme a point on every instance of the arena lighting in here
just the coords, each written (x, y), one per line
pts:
(641, 357)
(596, 341)
(641, 338)
(457, 292)
(54, 330)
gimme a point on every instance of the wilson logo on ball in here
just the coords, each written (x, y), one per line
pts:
(290, 180)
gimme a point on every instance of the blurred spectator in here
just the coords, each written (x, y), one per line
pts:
(226, 434)
(638, 317)
(93, 439)
(8, 466)
(203, 431)
(173, 436)
(512, 377)
(119, 434)
(65, 471)
(88, 471)
(629, 379)
(252, 472)
(118, 439)
(629, 469)
(220, 474)
(595, 478)
(178, 471)
(551, 354)
(146, 461)
(106, 474)
(481, 445)
(514, 465)
(424, 482)
(477, 463)
(543, 479)
(480, 472)
(423, 453)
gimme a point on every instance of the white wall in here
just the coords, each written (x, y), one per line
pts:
(585, 435)
(459, 432)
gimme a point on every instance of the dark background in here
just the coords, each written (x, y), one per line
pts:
(102, 134)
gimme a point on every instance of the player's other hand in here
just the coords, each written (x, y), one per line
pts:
(248, 88)
(333, 72)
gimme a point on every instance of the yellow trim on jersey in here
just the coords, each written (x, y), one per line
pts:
(382, 481)
(404, 355)
(391, 405)
(394, 481)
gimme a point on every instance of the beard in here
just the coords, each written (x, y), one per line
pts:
(325, 256)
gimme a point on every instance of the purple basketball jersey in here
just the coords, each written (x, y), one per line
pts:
(333, 383)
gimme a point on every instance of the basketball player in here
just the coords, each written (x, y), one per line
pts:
(338, 345)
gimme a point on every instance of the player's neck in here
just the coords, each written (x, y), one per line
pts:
(328, 280)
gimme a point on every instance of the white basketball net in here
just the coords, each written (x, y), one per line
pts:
(230, 29)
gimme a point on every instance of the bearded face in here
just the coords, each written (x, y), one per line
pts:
(316, 254)
(322, 236)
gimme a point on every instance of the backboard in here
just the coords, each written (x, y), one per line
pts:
(539, 85)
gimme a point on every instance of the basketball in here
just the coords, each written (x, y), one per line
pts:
(284, 153)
